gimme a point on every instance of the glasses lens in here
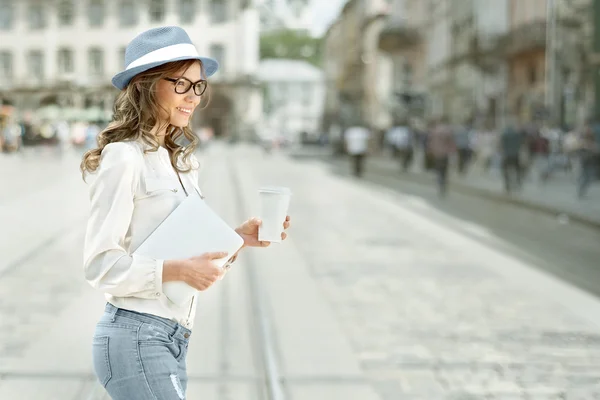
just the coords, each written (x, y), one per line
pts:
(182, 86)
(199, 88)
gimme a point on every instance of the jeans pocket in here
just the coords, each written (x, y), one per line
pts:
(100, 359)
(154, 341)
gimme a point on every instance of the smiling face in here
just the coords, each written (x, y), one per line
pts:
(178, 108)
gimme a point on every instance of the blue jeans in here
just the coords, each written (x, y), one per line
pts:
(140, 356)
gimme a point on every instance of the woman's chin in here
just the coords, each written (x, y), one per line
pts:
(180, 123)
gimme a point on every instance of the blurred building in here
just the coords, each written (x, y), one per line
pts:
(477, 67)
(285, 14)
(545, 50)
(64, 53)
(403, 38)
(332, 68)
(468, 60)
(525, 54)
(293, 99)
(357, 71)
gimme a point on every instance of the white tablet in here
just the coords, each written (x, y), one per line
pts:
(192, 229)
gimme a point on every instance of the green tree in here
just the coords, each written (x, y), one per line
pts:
(291, 44)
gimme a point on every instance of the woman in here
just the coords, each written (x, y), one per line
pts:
(137, 176)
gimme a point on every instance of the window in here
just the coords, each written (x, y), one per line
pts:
(532, 74)
(96, 13)
(36, 17)
(306, 89)
(65, 61)
(66, 13)
(6, 14)
(157, 10)
(187, 11)
(128, 16)
(217, 52)
(122, 58)
(281, 90)
(218, 11)
(96, 61)
(408, 74)
(6, 67)
(35, 64)
(398, 74)
(296, 8)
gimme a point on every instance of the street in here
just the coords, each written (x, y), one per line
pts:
(381, 292)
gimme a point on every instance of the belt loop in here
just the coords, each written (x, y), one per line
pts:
(112, 312)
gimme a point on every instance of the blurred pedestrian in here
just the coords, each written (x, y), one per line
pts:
(486, 146)
(589, 156)
(441, 146)
(401, 139)
(12, 135)
(140, 343)
(91, 134)
(63, 136)
(511, 141)
(357, 144)
(463, 139)
(428, 159)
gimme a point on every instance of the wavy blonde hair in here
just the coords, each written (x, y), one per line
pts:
(135, 114)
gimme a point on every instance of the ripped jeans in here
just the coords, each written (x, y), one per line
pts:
(140, 356)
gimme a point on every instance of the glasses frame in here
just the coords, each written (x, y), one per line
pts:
(192, 85)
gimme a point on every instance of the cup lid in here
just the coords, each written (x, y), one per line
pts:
(275, 189)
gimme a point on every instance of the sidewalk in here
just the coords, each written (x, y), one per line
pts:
(45, 336)
(557, 196)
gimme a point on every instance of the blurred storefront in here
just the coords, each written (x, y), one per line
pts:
(56, 60)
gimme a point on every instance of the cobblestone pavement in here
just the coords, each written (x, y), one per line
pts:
(430, 316)
(431, 313)
(39, 270)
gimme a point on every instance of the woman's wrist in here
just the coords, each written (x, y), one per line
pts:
(173, 271)
(237, 230)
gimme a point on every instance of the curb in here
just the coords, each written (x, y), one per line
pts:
(468, 189)
(504, 198)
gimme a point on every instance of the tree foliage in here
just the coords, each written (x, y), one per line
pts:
(295, 45)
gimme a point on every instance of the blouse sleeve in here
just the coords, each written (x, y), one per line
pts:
(108, 266)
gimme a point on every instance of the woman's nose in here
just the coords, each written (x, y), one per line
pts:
(193, 98)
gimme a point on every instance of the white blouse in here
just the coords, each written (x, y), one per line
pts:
(131, 193)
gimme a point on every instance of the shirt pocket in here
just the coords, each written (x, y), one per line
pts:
(156, 186)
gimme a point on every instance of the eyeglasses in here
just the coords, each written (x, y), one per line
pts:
(183, 85)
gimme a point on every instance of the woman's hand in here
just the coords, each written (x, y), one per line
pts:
(249, 232)
(199, 272)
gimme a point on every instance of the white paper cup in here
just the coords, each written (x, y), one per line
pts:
(274, 202)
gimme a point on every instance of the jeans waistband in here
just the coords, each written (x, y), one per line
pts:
(172, 328)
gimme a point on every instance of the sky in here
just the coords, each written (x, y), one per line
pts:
(324, 13)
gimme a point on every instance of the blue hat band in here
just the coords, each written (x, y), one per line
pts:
(165, 54)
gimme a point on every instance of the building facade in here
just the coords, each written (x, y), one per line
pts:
(468, 60)
(357, 71)
(525, 54)
(477, 69)
(439, 51)
(64, 53)
(294, 93)
(284, 14)
(402, 38)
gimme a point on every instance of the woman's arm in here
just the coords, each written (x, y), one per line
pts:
(108, 266)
